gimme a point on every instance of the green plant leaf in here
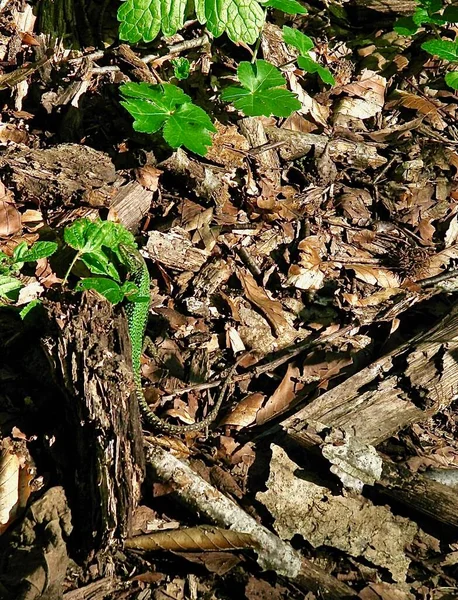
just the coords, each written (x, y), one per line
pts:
(181, 68)
(242, 20)
(89, 236)
(259, 92)
(167, 106)
(24, 312)
(35, 252)
(309, 65)
(108, 288)
(451, 79)
(450, 14)
(290, 7)
(442, 48)
(143, 19)
(299, 40)
(432, 6)
(9, 285)
(99, 264)
(406, 26)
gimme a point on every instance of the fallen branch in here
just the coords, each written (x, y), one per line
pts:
(273, 553)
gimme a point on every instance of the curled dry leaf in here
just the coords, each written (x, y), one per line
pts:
(420, 104)
(15, 477)
(244, 414)
(193, 538)
(310, 272)
(10, 218)
(375, 276)
(283, 396)
(271, 309)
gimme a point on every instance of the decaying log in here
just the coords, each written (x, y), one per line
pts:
(414, 490)
(209, 503)
(406, 386)
(86, 348)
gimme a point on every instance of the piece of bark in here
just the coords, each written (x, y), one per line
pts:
(268, 162)
(433, 499)
(273, 553)
(55, 175)
(137, 69)
(130, 204)
(33, 556)
(401, 7)
(406, 386)
(86, 347)
(295, 144)
(175, 250)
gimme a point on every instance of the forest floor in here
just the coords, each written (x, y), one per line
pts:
(318, 251)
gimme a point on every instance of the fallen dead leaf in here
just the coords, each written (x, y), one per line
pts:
(283, 397)
(272, 309)
(10, 217)
(244, 414)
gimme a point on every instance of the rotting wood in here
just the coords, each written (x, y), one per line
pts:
(273, 554)
(130, 205)
(85, 346)
(414, 490)
(406, 386)
(360, 155)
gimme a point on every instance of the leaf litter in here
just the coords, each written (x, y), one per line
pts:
(309, 247)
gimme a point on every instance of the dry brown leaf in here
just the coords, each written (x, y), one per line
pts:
(15, 477)
(192, 538)
(10, 218)
(216, 562)
(375, 275)
(271, 309)
(309, 274)
(283, 396)
(229, 147)
(422, 105)
(244, 414)
(373, 299)
(148, 177)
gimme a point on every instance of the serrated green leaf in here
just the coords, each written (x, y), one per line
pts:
(181, 68)
(87, 236)
(309, 65)
(451, 79)
(8, 285)
(107, 288)
(299, 40)
(189, 126)
(24, 312)
(35, 252)
(143, 19)
(99, 264)
(242, 20)
(442, 48)
(431, 6)
(420, 16)
(260, 92)
(290, 7)
(450, 14)
(167, 106)
(405, 26)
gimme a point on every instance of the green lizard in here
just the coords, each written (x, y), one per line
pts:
(137, 317)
